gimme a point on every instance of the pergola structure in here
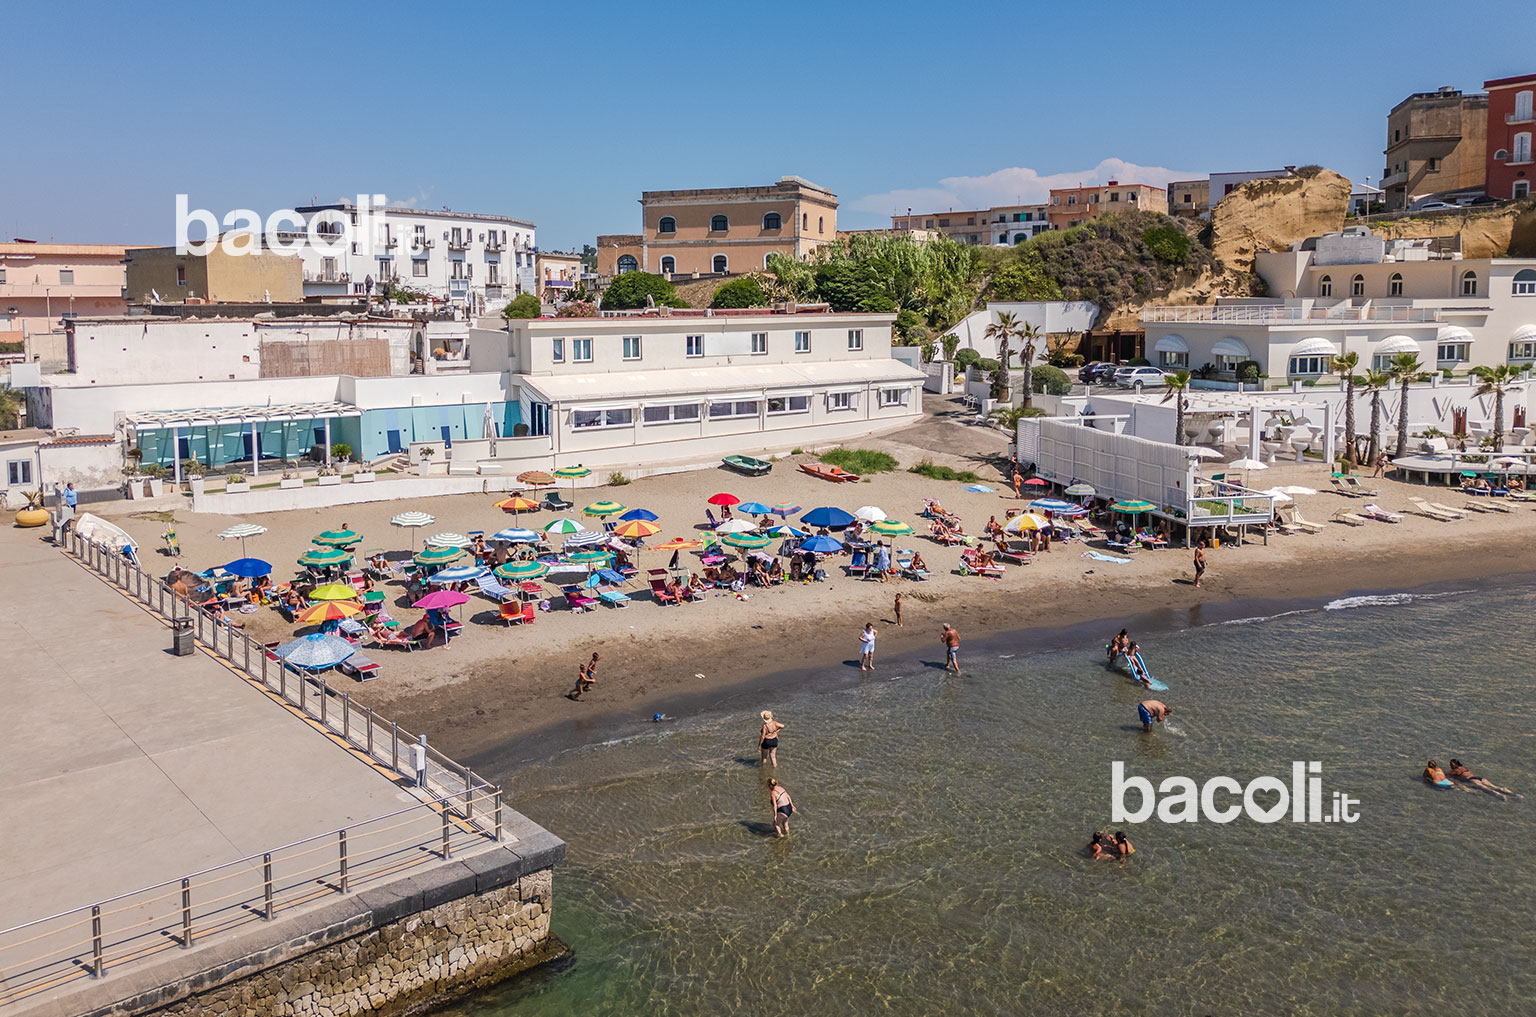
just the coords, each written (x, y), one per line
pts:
(242, 417)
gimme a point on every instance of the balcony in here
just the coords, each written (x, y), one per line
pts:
(1392, 180)
(492, 246)
(459, 243)
(1520, 117)
(1268, 314)
(390, 243)
(327, 277)
(421, 244)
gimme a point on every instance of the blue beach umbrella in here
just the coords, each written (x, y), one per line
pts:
(514, 535)
(316, 652)
(753, 508)
(786, 530)
(639, 513)
(248, 568)
(822, 545)
(1052, 505)
(832, 518)
(459, 574)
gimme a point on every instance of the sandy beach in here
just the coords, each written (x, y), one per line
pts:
(500, 690)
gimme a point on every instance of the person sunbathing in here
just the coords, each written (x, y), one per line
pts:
(984, 559)
(727, 575)
(776, 571)
(424, 627)
(386, 636)
(918, 565)
(711, 574)
(759, 572)
(696, 586)
(1514, 484)
(1460, 772)
(379, 563)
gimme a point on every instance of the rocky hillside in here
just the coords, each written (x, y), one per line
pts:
(1492, 233)
(1271, 215)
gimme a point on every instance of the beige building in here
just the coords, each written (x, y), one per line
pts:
(1436, 142)
(1072, 206)
(556, 274)
(43, 284)
(967, 227)
(1189, 198)
(159, 275)
(722, 230)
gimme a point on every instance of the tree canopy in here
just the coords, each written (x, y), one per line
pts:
(629, 291)
(743, 292)
(524, 305)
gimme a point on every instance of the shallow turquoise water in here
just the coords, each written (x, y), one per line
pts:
(937, 865)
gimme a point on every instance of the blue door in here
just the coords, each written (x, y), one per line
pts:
(393, 437)
(447, 436)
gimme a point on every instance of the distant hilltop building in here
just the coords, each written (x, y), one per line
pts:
(1192, 198)
(1436, 144)
(722, 230)
(44, 285)
(1072, 206)
(1006, 225)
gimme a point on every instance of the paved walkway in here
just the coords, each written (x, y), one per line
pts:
(126, 766)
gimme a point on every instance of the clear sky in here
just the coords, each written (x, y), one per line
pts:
(564, 113)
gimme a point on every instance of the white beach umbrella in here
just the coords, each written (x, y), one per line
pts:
(1248, 464)
(1278, 494)
(240, 531)
(410, 521)
(1203, 452)
(1295, 489)
(870, 514)
(735, 526)
(448, 539)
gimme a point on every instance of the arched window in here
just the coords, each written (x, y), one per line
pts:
(1469, 284)
(668, 265)
(1325, 286)
(773, 221)
(719, 224)
(1395, 285)
(1019, 238)
(1357, 286)
(821, 224)
(667, 225)
(1502, 155)
(627, 263)
(1525, 283)
(766, 257)
(719, 264)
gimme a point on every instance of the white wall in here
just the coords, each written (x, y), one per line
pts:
(1046, 315)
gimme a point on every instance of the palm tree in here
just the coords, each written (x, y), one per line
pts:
(1004, 328)
(1030, 333)
(1403, 369)
(1495, 381)
(1345, 364)
(1178, 384)
(1375, 383)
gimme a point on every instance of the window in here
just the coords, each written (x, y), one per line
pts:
(759, 342)
(719, 224)
(457, 270)
(821, 224)
(557, 350)
(1357, 286)
(802, 342)
(1433, 167)
(1093, 199)
(1397, 135)
(1114, 195)
(66, 277)
(1525, 283)
(855, 338)
(1522, 351)
(18, 472)
(722, 410)
(839, 400)
(1131, 195)
(1071, 199)
(1523, 105)
(583, 419)
(1309, 365)
(971, 221)
(181, 275)
(693, 345)
(1169, 358)
(1521, 189)
(789, 404)
(581, 351)
(773, 221)
(895, 396)
(1228, 363)
(627, 263)
(671, 414)
(1452, 353)
(720, 264)
(943, 222)
(386, 269)
(1189, 199)
(928, 224)
(805, 222)
(631, 347)
(1522, 152)
(2, 277)
(1325, 286)
(492, 272)
(1395, 285)
(1501, 155)
(418, 268)
(668, 265)
(666, 225)
(1469, 284)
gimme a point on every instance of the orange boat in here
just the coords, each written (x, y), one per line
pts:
(833, 473)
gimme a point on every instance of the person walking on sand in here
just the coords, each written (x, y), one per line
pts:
(1152, 711)
(951, 640)
(783, 808)
(586, 677)
(1199, 562)
(1018, 483)
(768, 740)
(898, 611)
(867, 647)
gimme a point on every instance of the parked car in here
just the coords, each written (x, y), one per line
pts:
(1096, 372)
(1140, 378)
(1483, 199)
(1435, 206)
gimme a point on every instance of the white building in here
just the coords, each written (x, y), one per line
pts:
(470, 260)
(1051, 317)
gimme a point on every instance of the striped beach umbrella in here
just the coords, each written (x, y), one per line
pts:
(520, 570)
(435, 556)
(316, 652)
(324, 557)
(1132, 507)
(784, 509)
(1023, 522)
(513, 535)
(891, 528)
(459, 574)
(338, 538)
(563, 525)
(240, 531)
(1081, 491)
(573, 474)
(448, 539)
(586, 538)
(412, 521)
(517, 503)
(601, 509)
(747, 540)
(786, 530)
(327, 610)
(636, 529)
(588, 557)
(334, 591)
(535, 478)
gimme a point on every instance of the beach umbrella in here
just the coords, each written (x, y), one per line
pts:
(513, 535)
(601, 509)
(1248, 464)
(754, 508)
(747, 540)
(1295, 489)
(334, 591)
(316, 651)
(1203, 452)
(1034, 482)
(434, 556)
(784, 509)
(832, 518)
(1081, 491)
(1024, 522)
(522, 570)
(735, 526)
(786, 531)
(448, 539)
(1132, 507)
(324, 557)
(440, 599)
(636, 529)
(822, 545)
(248, 568)
(563, 525)
(640, 513)
(338, 538)
(586, 538)
(678, 544)
(535, 478)
(891, 528)
(1052, 505)
(1278, 495)
(869, 513)
(327, 610)
(587, 557)
(515, 504)
(724, 499)
(573, 474)
(240, 531)
(459, 574)
(411, 521)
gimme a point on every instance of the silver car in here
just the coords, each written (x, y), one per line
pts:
(1139, 378)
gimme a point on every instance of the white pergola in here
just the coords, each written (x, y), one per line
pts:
(175, 420)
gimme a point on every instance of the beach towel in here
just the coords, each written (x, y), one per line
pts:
(1099, 556)
(978, 488)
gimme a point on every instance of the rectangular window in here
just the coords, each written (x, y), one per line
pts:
(1452, 353)
(1168, 358)
(802, 342)
(418, 268)
(789, 404)
(855, 338)
(895, 396)
(581, 351)
(66, 277)
(457, 269)
(722, 410)
(1522, 351)
(943, 222)
(668, 414)
(693, 345)
(759, 342)
(582, 420)
(1228, 363)
(557, 350)
(1114, 195)
(1434, 166)
(181, 275)
(386, 270)
(2, 277)
(631, 347)
(1309, 365)
(18, 472)
(840, 400)
(493, 274)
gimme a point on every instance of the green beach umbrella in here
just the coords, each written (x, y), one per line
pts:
(324, 557)
(438, 556)
(522, 570)
(602, 508)
(338, 538)
(573, 474)
(749, 541)
(587, 557)
(563, 525)
(1132, 507)
(891, 528)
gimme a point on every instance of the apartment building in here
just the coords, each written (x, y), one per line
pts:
(1013, 224)
(1072, 206)
(43, 285)
(1189, 198)
(159, 275)
(556, 274)
(1511, 125)
(967, 227)
(722, 230)
(1436, 144)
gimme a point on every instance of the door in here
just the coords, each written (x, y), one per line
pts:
(393, 437)
(447, 433)
(538, 418)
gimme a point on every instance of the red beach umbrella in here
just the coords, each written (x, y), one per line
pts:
(724, 499)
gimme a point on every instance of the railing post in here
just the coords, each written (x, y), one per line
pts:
(498, 815)
(247, 663)
(264, 682)
(342, 840)
(394, 747)
(282, 680)
(303, 692)
(370, 732)
(186, 913)
(446, 829)
(98, 965)
(266, 890)
(469, 804)
(346, 718)
(324, 695)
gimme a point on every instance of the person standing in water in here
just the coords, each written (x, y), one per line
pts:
(951, 648)
(1119, 644)
(768, 740)
(783, 808)
(867, 647)
(586, 677)
(1122, 846)
(1152, 711)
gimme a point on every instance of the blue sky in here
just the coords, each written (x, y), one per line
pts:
(563, 114)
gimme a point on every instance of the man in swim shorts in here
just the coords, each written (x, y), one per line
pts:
(951, 648)
(1152, 711)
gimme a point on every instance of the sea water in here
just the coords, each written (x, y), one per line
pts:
(937, 863)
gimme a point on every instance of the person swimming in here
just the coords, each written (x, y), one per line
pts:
(1460, 772)
(1137, 665)
(1122, 846)
(1435, 777)
(1100, 846)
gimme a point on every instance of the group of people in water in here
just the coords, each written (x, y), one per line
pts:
(1435, 776)
(768, 755)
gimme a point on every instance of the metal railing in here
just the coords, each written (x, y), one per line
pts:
(1270, 313)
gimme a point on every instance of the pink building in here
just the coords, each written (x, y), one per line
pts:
(42, 284)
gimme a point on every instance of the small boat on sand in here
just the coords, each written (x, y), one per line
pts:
(746, 464)
(835, 474)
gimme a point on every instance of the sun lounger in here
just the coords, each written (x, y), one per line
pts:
(518, 614)
(1380, 514)
(530, 590)
(1015, 557)
(969, 567)
(1346, 516)
(555, 503)
(1459, 513)
(659, 590)
(578, 599)
(1494, 506)
(360, 667)
(613, 598)
(1425, 508)
(495, 590)
(1306, 525)
(1341, 488)
(1354, 485)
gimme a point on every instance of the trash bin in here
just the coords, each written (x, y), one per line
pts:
(181, 637)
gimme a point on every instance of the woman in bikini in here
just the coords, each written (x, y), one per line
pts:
(1460, 772)
(783, 808)
(1100, 846)
(1122, 846)
(768, 740)
(1435, 777)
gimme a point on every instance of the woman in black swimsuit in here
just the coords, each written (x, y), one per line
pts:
(783, 808)
(768, 740)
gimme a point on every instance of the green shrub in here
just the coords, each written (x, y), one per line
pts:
(629, 291)
(1050, 380)
(1138, 362)
(1248, 372)
(617, 480)
(860, 460)
(926, 468)
(524, 305)
(1309, 383)
(743, 292)
(1167, 243)
(1031, 411)
(797, 451)
(966, 357)
(987, 367)
(154, 471)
